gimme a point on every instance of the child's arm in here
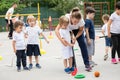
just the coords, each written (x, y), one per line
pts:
(109, 23)
(44, 37)
(87, 36)
(103, 32)
(13, 44)
(58, 35)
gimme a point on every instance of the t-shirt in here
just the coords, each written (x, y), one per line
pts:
(10, 11)
(64, 33)
(77, 26)
(89, 24)
(104, 27)
(115, 26)
(33, 34)
(20, 40)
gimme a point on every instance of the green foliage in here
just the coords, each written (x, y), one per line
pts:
(5, 4)
(63, 6)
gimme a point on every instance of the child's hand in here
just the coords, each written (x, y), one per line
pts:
(109, 35)
(71, 45)
(73, 40)
(47, 41)
(15, 51)
(89, 41)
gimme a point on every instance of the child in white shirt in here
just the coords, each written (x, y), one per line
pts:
(66, 50)
(33, 32)
(19, 45)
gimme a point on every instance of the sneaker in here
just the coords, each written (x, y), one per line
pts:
(71, 69)
(26, 68)
(30, 66)
(88, 68)
(67, 70)
(18, 69)
(105, 57)
(38, 66)
(114, 61)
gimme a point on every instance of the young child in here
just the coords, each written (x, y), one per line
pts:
(90, 33)
(114, 32)
(108, 43)
(19, 45)
(33, 32)
(66, 50)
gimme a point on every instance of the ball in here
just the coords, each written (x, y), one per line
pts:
(96, 74)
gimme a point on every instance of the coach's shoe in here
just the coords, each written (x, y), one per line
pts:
(114, 61)
(88, 68)
(30, 66)
(38, 66)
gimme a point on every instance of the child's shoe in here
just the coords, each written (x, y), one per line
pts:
(114, 61)
(71, 69)
(18, 69)
(30, 66)
(38, 66)
(67, 70)
(26, 68)
(105, 57)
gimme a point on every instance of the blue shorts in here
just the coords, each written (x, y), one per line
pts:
(108, 42)
(33, 50)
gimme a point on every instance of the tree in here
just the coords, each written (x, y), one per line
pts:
(5, 4)
(64, 6)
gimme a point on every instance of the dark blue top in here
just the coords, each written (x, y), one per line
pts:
(89, 24)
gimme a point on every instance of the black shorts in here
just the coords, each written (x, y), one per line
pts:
(33, 50)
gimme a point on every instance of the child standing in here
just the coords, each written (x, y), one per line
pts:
(108, 43)
(33, 33)
(66, 50)
(90, 33)
(19, 45)
(114, 32)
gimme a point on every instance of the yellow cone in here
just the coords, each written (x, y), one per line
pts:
(42, 51)
(1, 58)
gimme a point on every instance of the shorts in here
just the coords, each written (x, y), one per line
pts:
(67, 52)
(33, 49)
(91, 48)
(108, 42)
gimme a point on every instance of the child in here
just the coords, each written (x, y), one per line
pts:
(90, 33)
(114, 32)
(33, 32)
(66, 50)
(19, 45)
(105, 19)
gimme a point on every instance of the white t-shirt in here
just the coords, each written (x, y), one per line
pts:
(104, 27)
(66, 50)
(33, 34)
(115, 26)
(10, 11)
(77, 26)
(20, 40)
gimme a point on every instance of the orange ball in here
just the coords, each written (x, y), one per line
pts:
(96, 74)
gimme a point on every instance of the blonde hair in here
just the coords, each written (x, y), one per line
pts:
(63, 20)
(105, 17)
(30, 17)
